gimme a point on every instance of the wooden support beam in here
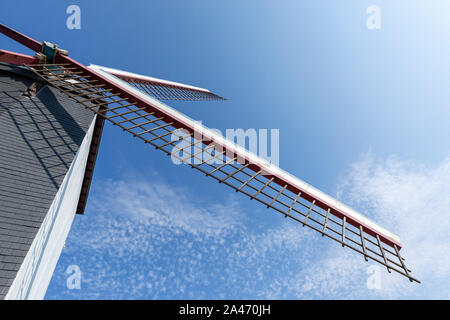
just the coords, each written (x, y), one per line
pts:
(309, 212)
(344, 220)
(325, 223)
(383, 254)
(221, 166)
(279, 193)
(235, 172)
(363, 244)
(261, 189)
(248, 180)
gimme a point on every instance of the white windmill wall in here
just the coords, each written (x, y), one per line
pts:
(35, 273)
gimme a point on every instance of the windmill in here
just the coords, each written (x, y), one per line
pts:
(133, 103)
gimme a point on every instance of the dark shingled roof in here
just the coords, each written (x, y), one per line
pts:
(39, 137)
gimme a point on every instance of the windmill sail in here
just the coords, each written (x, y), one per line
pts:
(115, 98)
(162, 89)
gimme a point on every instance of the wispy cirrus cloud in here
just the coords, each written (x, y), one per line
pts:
(413, 201)
(150, 240)
(155, 241)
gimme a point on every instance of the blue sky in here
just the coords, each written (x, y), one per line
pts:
(363, 115)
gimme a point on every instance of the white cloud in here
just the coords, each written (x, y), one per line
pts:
(151, 240)
(414, 202)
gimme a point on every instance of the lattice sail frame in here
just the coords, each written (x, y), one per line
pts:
(162, 89)
(212, 159)
(153, 122)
